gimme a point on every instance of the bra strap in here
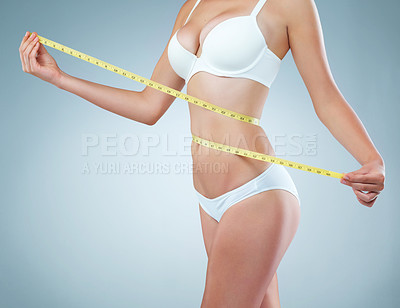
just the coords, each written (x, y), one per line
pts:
(197, 2)
(258, 7)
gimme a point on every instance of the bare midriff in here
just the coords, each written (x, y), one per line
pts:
(216, 172)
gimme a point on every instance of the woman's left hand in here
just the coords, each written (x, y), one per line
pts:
(367, 182)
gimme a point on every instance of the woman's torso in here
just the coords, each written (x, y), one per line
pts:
(216, 172)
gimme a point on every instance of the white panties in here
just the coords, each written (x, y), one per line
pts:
(274, 177)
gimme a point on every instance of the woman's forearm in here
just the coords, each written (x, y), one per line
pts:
(126, 103)
(347, 128)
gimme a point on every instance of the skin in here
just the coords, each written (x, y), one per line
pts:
(256, 232)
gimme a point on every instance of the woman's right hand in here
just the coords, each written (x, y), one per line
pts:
(37, 61)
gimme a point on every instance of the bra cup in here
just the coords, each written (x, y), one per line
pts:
(181, 60)
(233, 46)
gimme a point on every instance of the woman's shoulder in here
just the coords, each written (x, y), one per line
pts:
(184, 10)
(188, 5)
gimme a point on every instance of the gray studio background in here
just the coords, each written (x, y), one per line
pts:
(71, 238)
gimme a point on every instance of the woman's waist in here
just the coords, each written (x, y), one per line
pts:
(204, 119)
(215, 171)
(208, 155)
(219, 166)
(248, 137)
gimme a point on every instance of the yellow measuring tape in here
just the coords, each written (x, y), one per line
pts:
(264, 157)
(150, 83)
(198, 102)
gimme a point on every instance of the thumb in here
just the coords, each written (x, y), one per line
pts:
(349, 175)
(41, 49)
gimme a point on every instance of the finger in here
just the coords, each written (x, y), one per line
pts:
(24, 39)
(348, 183)
(367, 187)
(369, 204)
(343, 181)
(371, 178)
(367, 196)
(28, 41)
(32, 56)
(21, 53)
(42, 50)
(25, 52)
(28, 57)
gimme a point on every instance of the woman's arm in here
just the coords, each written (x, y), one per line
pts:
(146, 106)
(308, 50)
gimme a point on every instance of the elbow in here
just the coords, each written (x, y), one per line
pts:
(152, 118)
(151, 113)
(154, 115)
(147, 120)
(151, 121)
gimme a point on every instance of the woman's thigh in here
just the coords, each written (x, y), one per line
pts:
(209, 227)
(247, 247)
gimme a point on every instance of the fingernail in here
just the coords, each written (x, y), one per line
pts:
(346, 177)
(26, 33)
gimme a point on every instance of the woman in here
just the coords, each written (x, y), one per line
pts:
(228, 53)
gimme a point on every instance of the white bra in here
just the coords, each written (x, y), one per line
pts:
(233, 48)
